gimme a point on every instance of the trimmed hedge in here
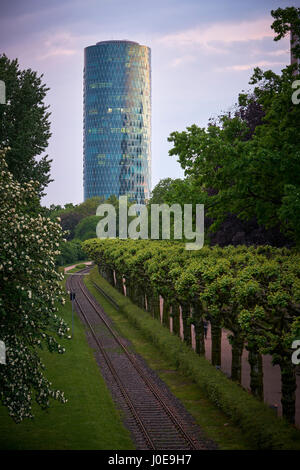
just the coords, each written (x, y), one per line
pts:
(257, 421)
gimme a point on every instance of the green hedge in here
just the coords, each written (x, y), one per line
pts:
(257, 421)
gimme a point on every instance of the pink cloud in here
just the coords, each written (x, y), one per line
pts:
(241, 67)
(223, 32)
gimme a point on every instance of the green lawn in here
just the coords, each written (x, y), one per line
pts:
(216, 425)
(89, 420)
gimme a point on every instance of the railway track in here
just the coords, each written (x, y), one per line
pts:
(154, 420)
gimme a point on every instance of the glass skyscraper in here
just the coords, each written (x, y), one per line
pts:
(117, 120)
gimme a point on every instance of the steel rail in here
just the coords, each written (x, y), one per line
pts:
(193, 443)
(116, 377)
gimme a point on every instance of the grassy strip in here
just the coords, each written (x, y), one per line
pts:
(89, 420)
(260, 427)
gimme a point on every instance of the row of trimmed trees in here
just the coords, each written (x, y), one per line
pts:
(254, 293)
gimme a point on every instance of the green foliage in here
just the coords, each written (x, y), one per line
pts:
(25, 126)
(86, 228)
(29, 292)
(70, 253)
(289, 212)
(83, 209)
(287, 20)
(174, 191)
(68, 220)
(158, 194)
(70, 215)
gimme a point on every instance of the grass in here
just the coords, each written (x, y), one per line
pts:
(214, 422)
(89, 420)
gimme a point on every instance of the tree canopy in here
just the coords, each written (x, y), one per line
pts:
(24, 124)
(29, 295)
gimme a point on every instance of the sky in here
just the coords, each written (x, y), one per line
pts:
(203, 55)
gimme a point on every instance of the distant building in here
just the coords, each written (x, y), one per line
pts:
(117, 120)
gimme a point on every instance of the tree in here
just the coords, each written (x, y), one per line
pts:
(172, 191)
(86, 228)
(71, 252)
(253, 172)
(29, 294)
(271, 322)
(287, 20)
(71, 214)
(69, 221)
(24, 124)
(159, 192)
(88, 207)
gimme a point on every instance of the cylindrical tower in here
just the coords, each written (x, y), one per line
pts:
(117, 120)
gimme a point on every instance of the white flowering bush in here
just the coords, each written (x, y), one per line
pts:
(30, 290)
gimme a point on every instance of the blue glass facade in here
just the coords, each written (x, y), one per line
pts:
(117, 120)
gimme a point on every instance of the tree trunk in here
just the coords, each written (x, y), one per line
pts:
(256, 373)
(137, 295)
(288, 389)
(119, 283)
(110, 276)
(156, 307)
(199, 329)
(129, 290)
(216, 342)
(175, 315)
(200, 341)
(166, 314)
(237, 345)
(140, 296)
(101, 270)
(150, 302)
(186, 313)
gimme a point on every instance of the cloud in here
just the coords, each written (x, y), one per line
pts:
(223, 32)
(183, 60)
(278, 52)
(57, 52)
(59, 44)
(264, 52)
(242, 67)
(236, 40)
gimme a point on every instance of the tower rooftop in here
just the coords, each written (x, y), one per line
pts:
(116, 40)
